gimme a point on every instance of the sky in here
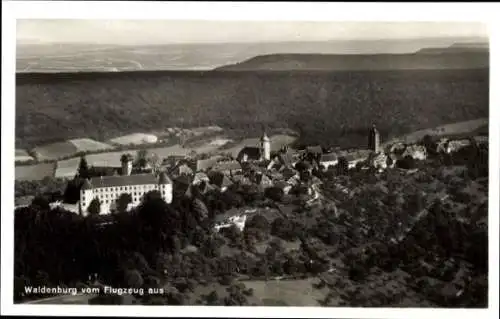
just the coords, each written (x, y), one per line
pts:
(136, 32)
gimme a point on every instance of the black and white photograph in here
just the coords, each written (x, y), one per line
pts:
(249, 163)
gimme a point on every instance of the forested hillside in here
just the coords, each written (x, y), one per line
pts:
(325, 107)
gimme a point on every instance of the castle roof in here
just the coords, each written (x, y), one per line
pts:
(163, 179)
(124, 180)
(86, 185)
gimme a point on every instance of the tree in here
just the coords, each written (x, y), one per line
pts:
(407, 162)
(213, 298)
(83, 168)
(133, 278)
(94, 207)
(342, 166)
(155, 161)
(40, 202)
(257, 221)
(200, 209)
(142, 158)
(123, 201)
(274, 193)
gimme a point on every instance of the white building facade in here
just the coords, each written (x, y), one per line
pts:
(108, 189)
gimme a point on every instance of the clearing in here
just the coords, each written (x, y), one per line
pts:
(35, 172)
(67, 148)
(135, 138)
(23, 156)
(89, 145)
(296, 293)
(67, 168)
(458, 128)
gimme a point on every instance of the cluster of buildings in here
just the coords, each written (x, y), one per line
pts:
(286, 169)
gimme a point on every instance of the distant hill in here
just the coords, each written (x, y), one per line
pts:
(446, 59)
(67, 57)
(471, 47)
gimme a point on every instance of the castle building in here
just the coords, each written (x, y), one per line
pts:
(374, 140)
(108, 189)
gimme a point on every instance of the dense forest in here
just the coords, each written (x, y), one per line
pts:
(325, 107)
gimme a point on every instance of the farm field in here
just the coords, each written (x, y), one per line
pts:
(287, 292)
(446, 130)
(35, 172)
(57, 150)
(135, 138)
(67, 168)
(22, 156)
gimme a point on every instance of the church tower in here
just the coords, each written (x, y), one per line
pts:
(265, 147)
(374, 140)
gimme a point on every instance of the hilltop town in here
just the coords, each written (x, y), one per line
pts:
(322, 217)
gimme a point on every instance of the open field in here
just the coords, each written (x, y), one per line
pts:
(67, 168)
(34, 172)
(446, 130)
(135, 138)
(23, 156)
(57, 150)
(89, 145)
(287, 292)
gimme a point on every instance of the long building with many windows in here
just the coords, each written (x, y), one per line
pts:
(109, 188)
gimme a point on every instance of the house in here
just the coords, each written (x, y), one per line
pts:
(378, 160)
(220, 180)
(230, 218)
(284, 186)
(206, 164)
(284, 158)
(455, 145)
(357, 156)
(241, 180)
(200, 177)
(328, 159)
(227, 167)
(181, 168)
(172, 161)
(262, 180)
(418, 152)
(108, 189)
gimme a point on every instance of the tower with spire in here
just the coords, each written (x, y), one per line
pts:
(265, 146)
(374, 140)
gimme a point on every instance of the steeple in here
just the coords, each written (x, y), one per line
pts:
(374, 139)
(265, 146)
